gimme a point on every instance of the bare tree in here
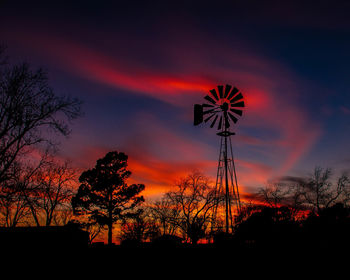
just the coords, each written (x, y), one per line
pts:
(282, 193)
(195, 199)
(274, 194)
(320, 192)
(51, 191)
(29, 110)
(14, 196)
(343, 187)
(41, 191)
(63, 216)
(316, 192)
(164, 213)
(135, 227)
(13, 208)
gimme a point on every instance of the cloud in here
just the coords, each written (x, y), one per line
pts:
(162, 176)
(273, 121)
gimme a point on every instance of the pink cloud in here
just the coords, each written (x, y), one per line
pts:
(269, 90)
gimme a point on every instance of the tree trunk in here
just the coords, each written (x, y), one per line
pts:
(194, 240)
(110, 218)
(110, 234)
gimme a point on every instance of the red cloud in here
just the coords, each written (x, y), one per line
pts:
(268, 87)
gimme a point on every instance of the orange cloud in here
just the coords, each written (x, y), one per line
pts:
(269, 106)
(162, 176)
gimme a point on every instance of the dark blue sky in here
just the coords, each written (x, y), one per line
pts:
(139, 66)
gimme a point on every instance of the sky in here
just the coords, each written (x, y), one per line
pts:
(140, 66)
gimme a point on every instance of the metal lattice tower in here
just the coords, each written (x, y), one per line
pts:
(223, 107)
(226, 185)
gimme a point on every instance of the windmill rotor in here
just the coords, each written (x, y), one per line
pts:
(223, 107)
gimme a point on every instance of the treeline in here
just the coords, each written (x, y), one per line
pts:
(311, 212)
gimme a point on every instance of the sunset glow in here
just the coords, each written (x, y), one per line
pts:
(139, 85)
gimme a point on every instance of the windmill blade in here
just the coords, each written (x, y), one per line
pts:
(221, 91)
(211, 100)
(233, 118)
(214, 121)
(227, 90)
(213, 92)
(233, 92)
(207, 105)
(209, 111)
(236, 98)
(239, 104)
(220, 123)
(208, 118)
(238, 112)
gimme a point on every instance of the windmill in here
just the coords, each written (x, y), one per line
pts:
(222, 108)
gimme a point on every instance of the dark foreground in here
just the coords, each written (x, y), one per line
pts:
(205, 260)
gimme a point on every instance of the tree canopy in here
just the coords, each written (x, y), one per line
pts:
(29, 109)
(104, 194)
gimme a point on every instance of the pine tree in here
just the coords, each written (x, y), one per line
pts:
(104, 195)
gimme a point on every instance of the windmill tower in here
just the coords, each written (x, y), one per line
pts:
(223, 107)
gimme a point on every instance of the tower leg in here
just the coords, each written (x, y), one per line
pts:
(226, 174)
(218, 187)
(235, 184)
(227, 189)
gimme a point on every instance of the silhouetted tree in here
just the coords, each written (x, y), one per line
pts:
(281, 193)
(194, 199)
(29, 109)
(93, 228)
(104, 195)
(320, 192)
(136, 228)
(50, 191)
(314, 193)
(63, 215)
(14, 192)
(247, 210)
(269, 227)
(163, 213)
(13, 208)
(42, 191)
(329, 229)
